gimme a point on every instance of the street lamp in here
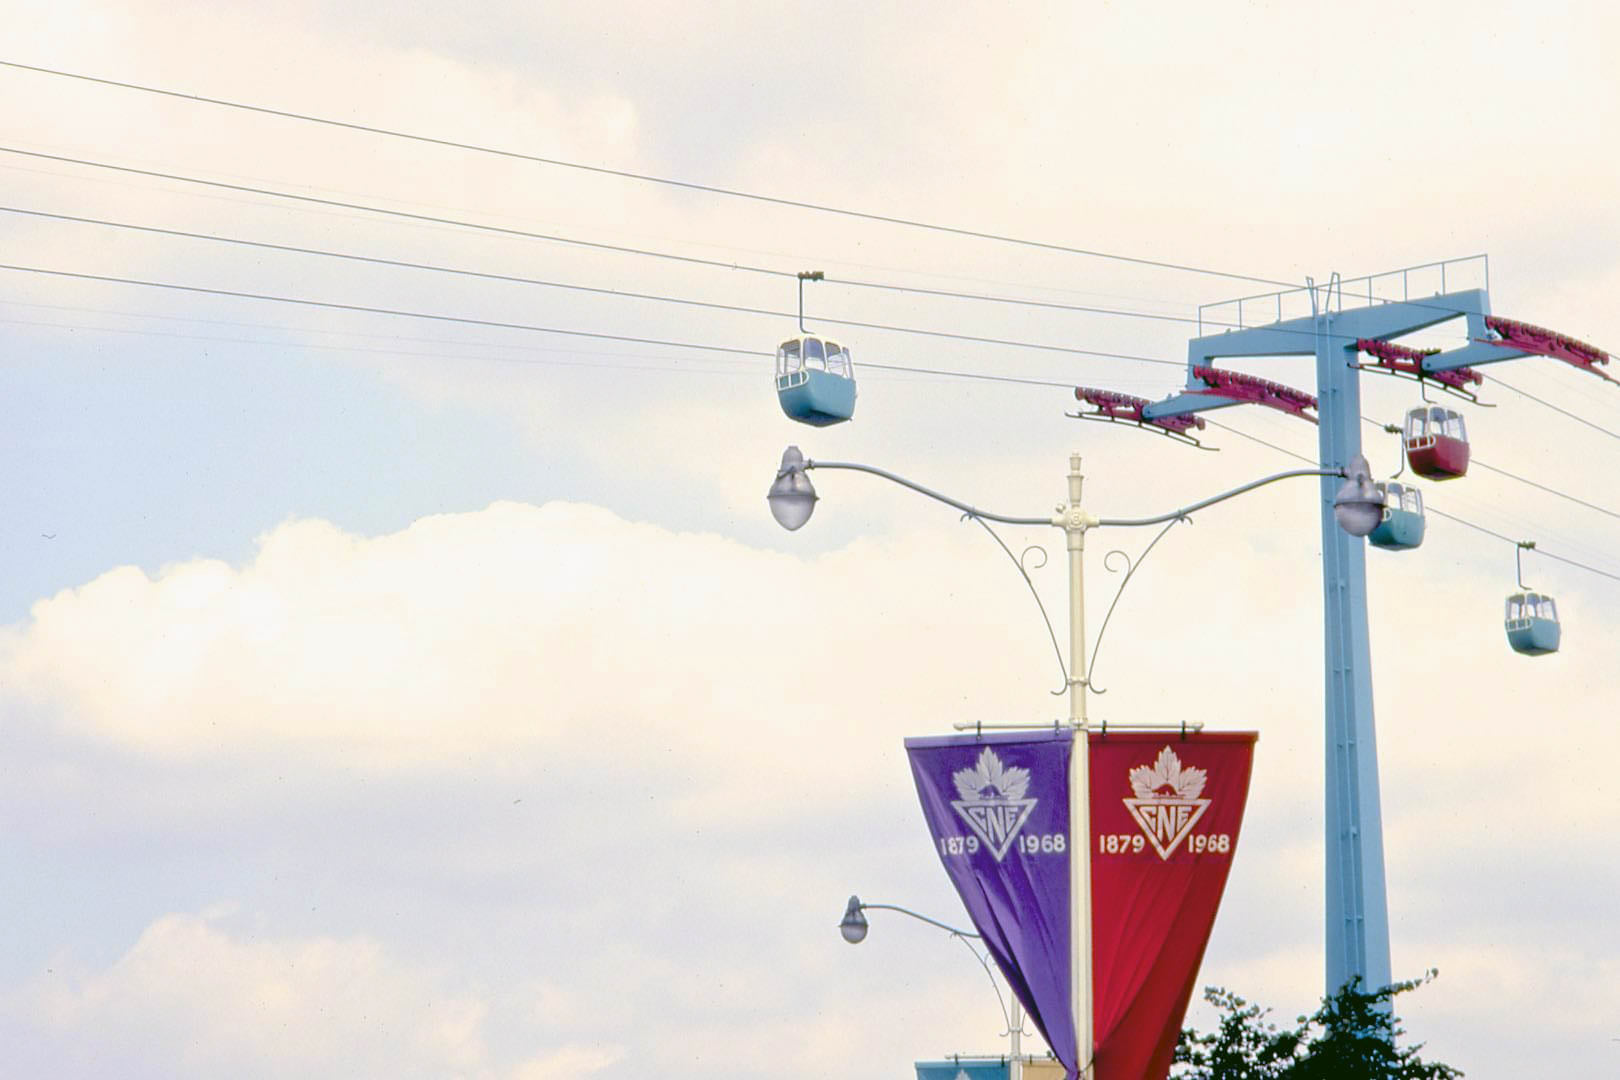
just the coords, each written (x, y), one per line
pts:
(792, 498)
(1358, 507)
(853, 927)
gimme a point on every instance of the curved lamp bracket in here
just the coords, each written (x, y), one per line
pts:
(1023, 572)
(1130, 569)
(854, 915)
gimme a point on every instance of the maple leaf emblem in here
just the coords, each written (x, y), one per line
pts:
(1167, 779)
(990, 779)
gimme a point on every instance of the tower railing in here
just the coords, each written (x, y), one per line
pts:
(1387, 287)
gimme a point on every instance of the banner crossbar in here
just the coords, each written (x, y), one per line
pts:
(1063, 725)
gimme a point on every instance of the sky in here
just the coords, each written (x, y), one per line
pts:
(384, 695)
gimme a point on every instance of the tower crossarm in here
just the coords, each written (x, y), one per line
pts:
(1253, 390)
(1526, 339)
(1474, 354)
(1217, 388)
(1403, 360)
(1112, 405)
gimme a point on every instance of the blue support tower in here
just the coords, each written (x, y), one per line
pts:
(1357, 915)
(1357, 926)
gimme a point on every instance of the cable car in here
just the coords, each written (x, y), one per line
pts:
(815, 381)
(1532, 623)
(1402, 526)
(1436, 442)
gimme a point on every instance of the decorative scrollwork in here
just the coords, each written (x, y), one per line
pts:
(1023, 572)
(1110, 566)
(1131, 567)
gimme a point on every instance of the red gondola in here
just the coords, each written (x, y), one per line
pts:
(1436, 442)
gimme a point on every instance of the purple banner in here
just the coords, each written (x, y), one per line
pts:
(998, 806)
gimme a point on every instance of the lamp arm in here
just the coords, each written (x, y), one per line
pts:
(961, 935)
(1186, 510)
(932, 494)
(1121, 522)
(931, 922)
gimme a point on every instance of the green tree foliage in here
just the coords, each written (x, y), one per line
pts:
(1355, 1035)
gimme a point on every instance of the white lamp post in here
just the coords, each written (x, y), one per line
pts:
(1357, 507)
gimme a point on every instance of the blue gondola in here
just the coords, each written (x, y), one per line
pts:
(1532, 617)
(815, 381)
(1532, 624)
(1403, 523)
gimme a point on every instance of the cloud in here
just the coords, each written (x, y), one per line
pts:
(190, 998)
(569, 1063)
(632, 765)
(518, 625)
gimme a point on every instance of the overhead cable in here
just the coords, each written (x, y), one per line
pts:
(465, 320)
(1053, 305)
(1430, 506)
(334, 306)
(500, 229)
(1521, 479)
(652, 253)
(1262, 442)
(604, 364)
(645, 177)
(623, 293)
(1543, 487)
(498, 324)
(403, 214)
(1510, 540)
(1564, 412)
(672, 182)
(550, 237)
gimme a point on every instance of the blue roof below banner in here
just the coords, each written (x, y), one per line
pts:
(964, 1069)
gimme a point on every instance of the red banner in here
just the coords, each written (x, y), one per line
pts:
(1165, 815)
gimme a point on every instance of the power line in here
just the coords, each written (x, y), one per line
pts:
(651, 252)
(720, 263)
(592, 364)
(237, 323)
(379, 261)
(331, 305)
(1548, 490)
(1080, 308)
(972, 375)
(550, 237)
(404, 214)
(616, 292)
(1554, 408)
(1429, 507)
(1510, 540)
(334, 306)
(462, 271)
(1262, 442)
(1165, 317)
(940, 372)
(1523, 480)
(623, 293)
(497, 324)
(645, 177)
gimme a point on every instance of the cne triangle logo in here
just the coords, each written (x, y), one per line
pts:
(1166, 805)
(993, 801)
